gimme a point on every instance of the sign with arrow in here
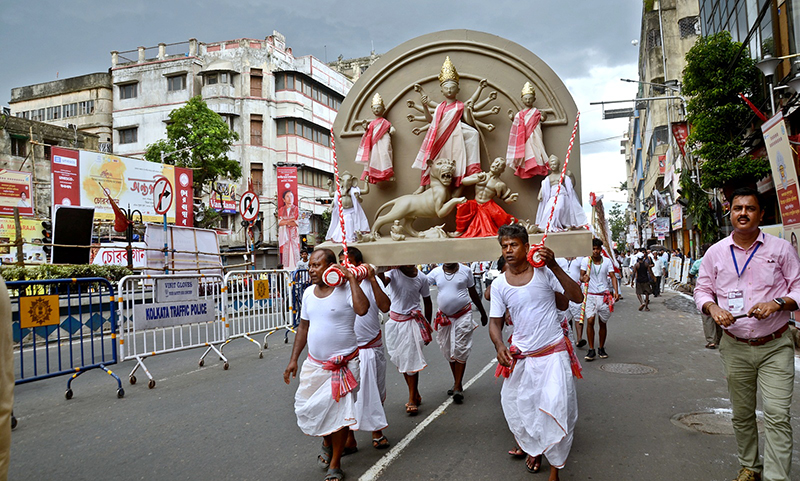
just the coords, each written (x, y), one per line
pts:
(249, 206)
(162, 195)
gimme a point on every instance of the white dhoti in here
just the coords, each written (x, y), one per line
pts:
(404, 343)
(318, 414)
(455, 339)
(541, 406)
(370, 415)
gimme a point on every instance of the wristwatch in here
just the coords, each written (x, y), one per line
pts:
(780, 302)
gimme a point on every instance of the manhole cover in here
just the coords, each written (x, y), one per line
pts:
(628, 368)
(717, 422)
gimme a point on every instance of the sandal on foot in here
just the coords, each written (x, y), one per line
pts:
(334, 475)
(324, 458)
(517, 452)
(380, 443)
(641, 307)
(458, 397)
(411, 409)
(711, 345)
(449, 392)
(537, 463)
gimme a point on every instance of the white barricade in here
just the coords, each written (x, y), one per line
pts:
(687, 264)
(168, 313)
(257, 302)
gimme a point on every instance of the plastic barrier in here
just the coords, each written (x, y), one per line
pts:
(300, 282)
(169, 313)
(256, 302)
(63, 326)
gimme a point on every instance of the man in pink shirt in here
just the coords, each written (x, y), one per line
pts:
(748, 283)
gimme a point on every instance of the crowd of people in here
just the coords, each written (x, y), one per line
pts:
(537, 319)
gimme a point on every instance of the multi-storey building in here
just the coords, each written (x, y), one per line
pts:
(81, 103)
(669, 29)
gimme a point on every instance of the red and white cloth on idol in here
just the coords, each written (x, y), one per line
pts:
(568, 210)
(375, 151)
(450, 138)
(526, 154)
(355, 220)
(370, 415)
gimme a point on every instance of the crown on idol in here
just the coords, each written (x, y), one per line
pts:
(377, 100)
(448, 72)
(528, 89)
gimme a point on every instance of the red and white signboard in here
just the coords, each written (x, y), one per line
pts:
(80, 178)
(249, 206)
(15, 191)
(162, 195)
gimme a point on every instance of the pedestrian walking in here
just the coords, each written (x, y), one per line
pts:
(453, 323)
(538, 394)
(325, 399)
(748, 283)
(600, 299)
(658, 271)
(408, 331)
(643, 278)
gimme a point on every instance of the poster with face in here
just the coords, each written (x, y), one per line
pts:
(288, 215)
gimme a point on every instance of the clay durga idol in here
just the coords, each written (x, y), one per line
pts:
(375, 149)
(526, 153)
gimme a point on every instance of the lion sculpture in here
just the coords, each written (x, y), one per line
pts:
(435, 202)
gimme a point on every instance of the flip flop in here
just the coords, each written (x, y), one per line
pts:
(411, 409)
(641, 307)
(458, 397)
(449, 392)
(334, 475)
(380, 443)
(537, 464)
(517, 453)
(324, 458)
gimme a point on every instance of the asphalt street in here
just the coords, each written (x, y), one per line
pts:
(206, 423)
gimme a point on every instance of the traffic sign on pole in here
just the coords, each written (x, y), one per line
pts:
(162, 195)
(249, 206)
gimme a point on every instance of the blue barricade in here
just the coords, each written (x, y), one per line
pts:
(63, 326)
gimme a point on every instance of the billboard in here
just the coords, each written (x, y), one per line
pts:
(676, 217)
(15, 191)
(288, 215)
(784, 175)
(223, 197)
(79, 178)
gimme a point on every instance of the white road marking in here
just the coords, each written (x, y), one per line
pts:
(375, 471)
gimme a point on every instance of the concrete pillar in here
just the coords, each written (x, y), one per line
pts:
(141, 54)
(162, 51)
(192, 47)
(114, 58)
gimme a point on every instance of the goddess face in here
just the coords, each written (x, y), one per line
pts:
(554, 163)
(528, 100)
(378, 110)
(450, 89)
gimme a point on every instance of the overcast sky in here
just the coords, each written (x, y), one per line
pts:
(586, 42)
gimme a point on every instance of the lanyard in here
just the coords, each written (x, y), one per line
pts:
(736, 265)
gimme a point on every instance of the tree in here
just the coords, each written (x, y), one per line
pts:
(719, 118)
(618, 224)
(207, 140)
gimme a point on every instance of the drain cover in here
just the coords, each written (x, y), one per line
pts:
(718, 422)
(628, 368)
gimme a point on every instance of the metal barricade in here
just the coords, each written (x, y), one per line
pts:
(63, 326)
(257, 302)
(300, 281)
(170, 313)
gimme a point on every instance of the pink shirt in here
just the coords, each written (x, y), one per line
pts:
(773, 271)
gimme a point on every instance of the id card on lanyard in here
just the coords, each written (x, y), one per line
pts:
(736, 296)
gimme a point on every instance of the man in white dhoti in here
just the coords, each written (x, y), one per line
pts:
(326, 397)
(453, 323)
(407, 330)
(370, 415)
(526, 154)
(599, 299)
(375, 149)
(448, 137)
(538, 394)
(568, 212)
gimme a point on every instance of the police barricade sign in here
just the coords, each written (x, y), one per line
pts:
(63, 326)
(257, 302)
(169, 313)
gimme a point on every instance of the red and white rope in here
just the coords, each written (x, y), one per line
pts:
(533, 258)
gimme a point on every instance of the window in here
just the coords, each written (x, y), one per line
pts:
(690, 26)
(212, 79)
(70, 110)
(280, 82)
(129, 135)
(53, 113)
(256, 127)
(86, 107)
(223, 78)
(19, 146)
(660, 136)
(37, 114)
(653, 38)
(228, 119)
(255, 82)
(304, 129)
(128, 91)
(176, 82)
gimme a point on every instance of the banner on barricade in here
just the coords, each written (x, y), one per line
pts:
(177, 289)
(168, 314)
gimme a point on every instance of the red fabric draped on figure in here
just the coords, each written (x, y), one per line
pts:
(481, 220)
